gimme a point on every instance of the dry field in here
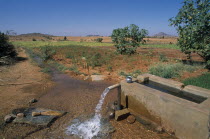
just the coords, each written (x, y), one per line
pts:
(90, 39)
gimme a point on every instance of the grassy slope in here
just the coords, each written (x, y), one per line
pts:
(201, 81)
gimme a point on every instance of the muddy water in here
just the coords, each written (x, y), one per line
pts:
(74, 96)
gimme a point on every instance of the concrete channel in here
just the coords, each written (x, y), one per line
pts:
(182, 110)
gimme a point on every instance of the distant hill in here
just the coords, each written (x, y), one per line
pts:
(35, 35)
(162, 34)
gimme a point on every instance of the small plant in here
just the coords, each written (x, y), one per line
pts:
(99, 39)
(163, 58)
(109, 68)
(46, 70)
(133, 74)
(171, 70)
(47, 52)
(33, 39)
(74, 68)
(95, 60)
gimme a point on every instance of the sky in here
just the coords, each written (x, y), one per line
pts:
(85, 17)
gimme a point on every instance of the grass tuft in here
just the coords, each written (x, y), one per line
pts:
(171, 70)
(200, 81)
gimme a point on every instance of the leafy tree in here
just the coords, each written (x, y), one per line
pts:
(6, 49)
(99, 39)
(127, 39)
(193, 26)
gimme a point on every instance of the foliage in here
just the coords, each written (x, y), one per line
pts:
(33, 39)
(163, 58)
(65, 38)
(95, 60)
(7, 50)
(127, 39)
(201, 81)
(192, 22)
(133, 74)
(99, 39)
(47, 52)
(46, 70)
(171, 70)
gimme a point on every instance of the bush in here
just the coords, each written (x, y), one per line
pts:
(47, 52)
(65, 38)
(127, 39)
(163, 58)
(170, 70)
(133, 74)
(99, 39)
(7, 50)
(95, 60)
(33, 39)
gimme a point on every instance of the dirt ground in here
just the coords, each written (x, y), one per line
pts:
(23, 81)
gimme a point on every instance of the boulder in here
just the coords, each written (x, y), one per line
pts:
(9, 118)
(20, 115)
(131, 119)
(33, 100)
(33, 116)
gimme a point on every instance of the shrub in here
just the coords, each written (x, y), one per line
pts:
(65, 38)
(170, 70)
(163, 58)
(99, 39)
(133, 74)
(33, 39)
(47, 52)
(127, 39)
(7, 50)
(95, 60)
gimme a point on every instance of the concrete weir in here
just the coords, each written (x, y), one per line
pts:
(183, 110)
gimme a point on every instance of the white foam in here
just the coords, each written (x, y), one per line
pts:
(91, 127)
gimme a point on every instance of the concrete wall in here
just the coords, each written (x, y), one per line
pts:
(188, 120)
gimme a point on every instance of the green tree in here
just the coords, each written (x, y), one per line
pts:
(193, 26)
(127, 39)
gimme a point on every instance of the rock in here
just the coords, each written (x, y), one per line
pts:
(131, 119)
(33, 100)
(9, 118)
(86, 78)
(52, 113)
(98, 77)
(159, 129)
(111, 115)
(35, 113)
(43, 120)
(121, 114)
(82, 75)
(20, 115)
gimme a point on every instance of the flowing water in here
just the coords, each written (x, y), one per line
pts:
(91, 127)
